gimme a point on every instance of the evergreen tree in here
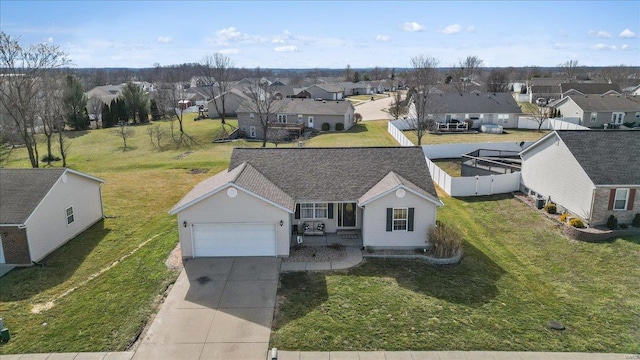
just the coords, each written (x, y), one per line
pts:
(143, 115)
(155, 112)
(107, 119)
(121, 111)
(135, 100)
(75, 104)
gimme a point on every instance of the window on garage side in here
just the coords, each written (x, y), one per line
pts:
(620, 202)
(400, 219)
(69, 213)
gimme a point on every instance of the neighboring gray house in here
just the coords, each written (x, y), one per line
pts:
(297, 114)
(42, 209)
(232, 101)
(106, 93)
(545, 88)
(326, 91)
(589, 89)
(596, 110)
(268, 195)
(591, 173)
(482, 108)
(359, 88)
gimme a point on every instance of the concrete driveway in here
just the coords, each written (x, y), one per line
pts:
(219, 308)
(372, 110)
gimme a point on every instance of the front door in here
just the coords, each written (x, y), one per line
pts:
(310, 122)
(347, 215)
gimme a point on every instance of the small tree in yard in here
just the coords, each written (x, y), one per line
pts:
(539, 114)
(357, 117)
(156, 134)
(125, 132)
(423, 102)
(277, 136)
(398, 106)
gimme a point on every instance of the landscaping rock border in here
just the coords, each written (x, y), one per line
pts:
(431, 260)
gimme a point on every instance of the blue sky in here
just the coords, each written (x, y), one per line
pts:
(330, 34)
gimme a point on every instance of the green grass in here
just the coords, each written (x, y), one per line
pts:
(108, 312)
(517, 274)
(511, 135)
(366, 97)
(452, 167)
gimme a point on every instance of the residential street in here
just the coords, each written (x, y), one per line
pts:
(372, 110)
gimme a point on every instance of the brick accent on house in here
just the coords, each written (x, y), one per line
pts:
(600, 212)
(15, 245)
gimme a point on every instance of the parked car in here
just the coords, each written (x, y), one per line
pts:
(541, 102)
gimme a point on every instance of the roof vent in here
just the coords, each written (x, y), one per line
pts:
(478, 94)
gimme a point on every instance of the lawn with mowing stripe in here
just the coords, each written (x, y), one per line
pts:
(517, 274)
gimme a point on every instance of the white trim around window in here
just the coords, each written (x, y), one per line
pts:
(252, 131)
(400, 219)
(314, 210)
(68, 212)
(621, 199)
(282, 118)
(594, 116)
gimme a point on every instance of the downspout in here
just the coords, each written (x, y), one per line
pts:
(593, 200)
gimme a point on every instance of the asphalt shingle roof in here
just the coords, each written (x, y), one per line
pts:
(590, 88)
(609, 157)
(605, 103)
(335, 174)
(305, 106)
(497, 103)
(21, 190)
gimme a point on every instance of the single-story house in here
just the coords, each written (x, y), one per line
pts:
(326, 91)
(232, 101)
(262, 202)
(598, 110)
(591, 173)
(42, 209)
(545, 88)
(589, 89)
(481, 108)
(296, 113)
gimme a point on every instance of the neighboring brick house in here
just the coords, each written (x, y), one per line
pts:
(297, 114)
(591, 173)
(42, 209)
(594, 111)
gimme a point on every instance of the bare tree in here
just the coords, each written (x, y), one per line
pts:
(21, 71)
(169, 92)
(277, 136)
(498, 81)
(125, 132)
(219, 72)
(621, 75)
(424, 106)
(50, 110)
(63, 145)
(398, 106)
(570, 68)
(263, 104)
(348, 73)
(357, 117)
(156, 135)
(539, 114)
(464, 73)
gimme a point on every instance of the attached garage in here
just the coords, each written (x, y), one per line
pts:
(234, 239)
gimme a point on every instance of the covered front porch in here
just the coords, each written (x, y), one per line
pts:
(346, 238)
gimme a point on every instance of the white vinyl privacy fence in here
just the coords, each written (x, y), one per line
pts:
(565, 123)
(465, 186)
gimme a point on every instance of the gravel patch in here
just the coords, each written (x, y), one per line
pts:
(316, 254)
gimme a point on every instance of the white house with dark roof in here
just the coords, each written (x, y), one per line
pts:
(42, 209)
(591, 173)
(267, 196)
(297, 114)
(597, 110)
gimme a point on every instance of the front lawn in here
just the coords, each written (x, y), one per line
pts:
(517, 274)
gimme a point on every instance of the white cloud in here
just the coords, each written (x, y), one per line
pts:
(560, 46)
(624, 47)
(229, 51)
(164, 40)
(471, 29)
(287, 48)
(50, 39)
(600, 34)
(412, 27)
(383, 38)
(602, 46)
(628, 34)
(451, 29)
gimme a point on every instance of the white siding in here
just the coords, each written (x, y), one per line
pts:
(374, 224)
(47, 227)
(244, 208)
(551, 170)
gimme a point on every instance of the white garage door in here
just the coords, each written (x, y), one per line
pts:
(231, 239)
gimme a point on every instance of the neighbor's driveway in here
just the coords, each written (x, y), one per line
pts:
(219, 308)
(372, 110)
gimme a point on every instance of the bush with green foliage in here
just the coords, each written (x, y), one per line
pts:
(612, 222)
(636, 220)
(49, 158)
(446, 241)
(563, 217)
(339, 126)
(326, 127)
(551, 208)
(576, 223)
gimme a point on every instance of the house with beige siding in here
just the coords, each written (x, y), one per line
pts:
(297, 114)
(42, 209)
(595, 111)
(589, 173)
(271, 198)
